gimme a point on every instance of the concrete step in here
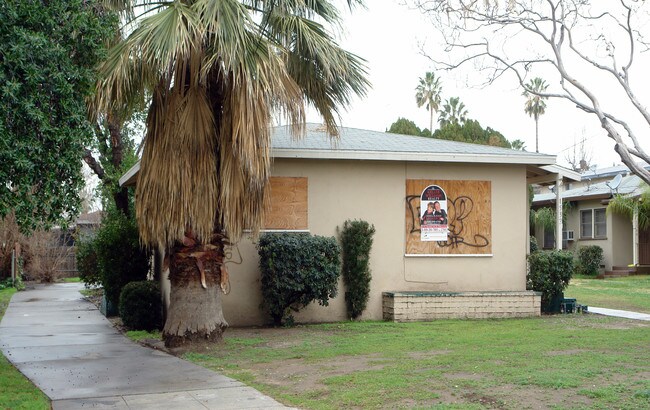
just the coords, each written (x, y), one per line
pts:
(616, 274)
(627, 268)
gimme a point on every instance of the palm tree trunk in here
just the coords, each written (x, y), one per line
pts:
(431, 123)
(195, 314)
(536, 134)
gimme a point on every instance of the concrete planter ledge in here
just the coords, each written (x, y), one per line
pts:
(413, 306)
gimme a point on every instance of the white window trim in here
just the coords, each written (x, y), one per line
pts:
(593, 223)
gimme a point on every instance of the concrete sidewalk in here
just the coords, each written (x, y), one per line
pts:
(619, 313)
(76, 357)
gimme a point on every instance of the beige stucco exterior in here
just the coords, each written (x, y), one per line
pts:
(617, 245)
(375, 191)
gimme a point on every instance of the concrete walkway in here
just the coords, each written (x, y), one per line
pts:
(619, 313)
(76, 357)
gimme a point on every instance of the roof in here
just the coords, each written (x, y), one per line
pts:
(358, 144)
(630, 185)
(609, 172)
(548, 174)
(355, 143)
(90, 218)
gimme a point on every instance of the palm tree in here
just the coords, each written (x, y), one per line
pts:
(453, 112)
(428, 93)
(629, 205)
(535, 103)
(518, 145)
(217, 71)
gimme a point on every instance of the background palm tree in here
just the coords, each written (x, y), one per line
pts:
(428, 93)
(217, 71)
(453, 112)
(535, 104)
(518, 145)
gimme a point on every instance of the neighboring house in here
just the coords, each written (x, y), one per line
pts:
(318, 183)
(84, 226)
(589, 223)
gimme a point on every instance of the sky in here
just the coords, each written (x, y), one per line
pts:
(390, 36)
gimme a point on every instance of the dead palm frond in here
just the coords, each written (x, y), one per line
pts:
(217, 72)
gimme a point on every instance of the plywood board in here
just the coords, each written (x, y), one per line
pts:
(288, 204)
(469, 210)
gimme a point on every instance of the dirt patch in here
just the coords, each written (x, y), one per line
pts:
(463, 376)
(530, 397)
(427, 354)
(298, 375)
(565, 352)
(484, 400)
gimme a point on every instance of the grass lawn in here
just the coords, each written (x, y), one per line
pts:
(626, 293)
(16, 391)
(567, 361)
(76, 279)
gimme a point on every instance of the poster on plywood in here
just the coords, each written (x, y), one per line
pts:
(433, 219)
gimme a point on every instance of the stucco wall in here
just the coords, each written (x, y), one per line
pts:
(375, 191)
(573, 223)
(617, 246)
(622, 241)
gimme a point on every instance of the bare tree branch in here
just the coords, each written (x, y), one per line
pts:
(557, 34)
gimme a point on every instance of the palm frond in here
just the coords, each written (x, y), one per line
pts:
(218, 71)
(628, 205)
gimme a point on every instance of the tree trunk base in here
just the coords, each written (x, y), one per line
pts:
(194, 315)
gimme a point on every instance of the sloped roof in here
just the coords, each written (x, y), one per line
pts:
(354, 143)
(608, 172)
(630, 185)
(90, 218)
(358, 144)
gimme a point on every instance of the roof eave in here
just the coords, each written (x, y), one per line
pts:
(534, 159)
(130, 177)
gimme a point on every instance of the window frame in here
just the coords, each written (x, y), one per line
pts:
(595, 231)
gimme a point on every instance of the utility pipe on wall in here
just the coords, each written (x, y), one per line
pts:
(558, 212)
(635, 236)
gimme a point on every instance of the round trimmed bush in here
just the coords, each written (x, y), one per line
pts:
(141, 305)
(590, 257)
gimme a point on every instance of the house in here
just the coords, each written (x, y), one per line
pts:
(476, 263)
(589, 223)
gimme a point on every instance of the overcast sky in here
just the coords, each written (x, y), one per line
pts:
(388, 35)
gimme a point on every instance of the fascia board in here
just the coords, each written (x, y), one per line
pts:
(131, 173)
(414, 156)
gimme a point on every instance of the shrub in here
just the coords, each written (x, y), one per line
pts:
(141, 306)
(549, 272)
(45, 255)
(120, 257)
(356, 242)
(589, 259)
(296, 270)
(87, 265)
(533, 244)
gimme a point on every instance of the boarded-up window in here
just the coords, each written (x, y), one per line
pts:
(288, 204)
(469, 210)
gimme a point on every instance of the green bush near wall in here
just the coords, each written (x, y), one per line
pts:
(356, 242)
(589, 260)
(120, 258)
(141, 306)
(549, 272)
(297, 269)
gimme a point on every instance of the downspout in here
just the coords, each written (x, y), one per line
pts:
(558, 212)
(635, 236)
